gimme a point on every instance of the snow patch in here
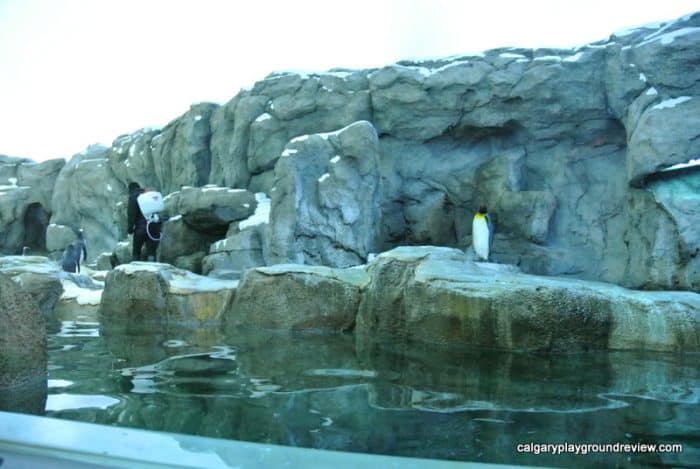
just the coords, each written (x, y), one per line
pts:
(300, 138)
(670, 103)
(452, 65)
(324, 177)
(335, 159)
(548, 58)
(289, 152)
(642, 77)
(109, 187)
(651, 92)
(689, 164)
(510, 55)
(261, 214)
(574, 58)
(82, 296)
(197, 117)
(263, 117)
(668, 38)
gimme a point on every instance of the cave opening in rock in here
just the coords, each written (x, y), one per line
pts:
(36, 220)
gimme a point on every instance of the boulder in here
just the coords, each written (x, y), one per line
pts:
(37, 276)
(144, 297)
(665, 135)
(296, 298)
(181, 240)
(23, 356)
(233, 255)
(244, 245)
(435, 295)
(326, 202)
(210, 209)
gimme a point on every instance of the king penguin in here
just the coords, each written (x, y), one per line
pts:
(482, 234)
(82, 248)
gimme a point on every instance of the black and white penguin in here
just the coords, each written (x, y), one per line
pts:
(71, 259)
(82, 248)
(482, 234)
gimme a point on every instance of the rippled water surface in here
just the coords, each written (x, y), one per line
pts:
(410, 400)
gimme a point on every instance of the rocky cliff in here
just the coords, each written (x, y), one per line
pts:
(581, 155)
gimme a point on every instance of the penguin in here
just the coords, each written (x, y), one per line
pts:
(71, 259)
(82, 248)
(482, 234)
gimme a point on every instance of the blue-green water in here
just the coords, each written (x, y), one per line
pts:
(398, 399)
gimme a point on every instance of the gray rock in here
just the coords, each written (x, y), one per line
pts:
(38, 276)
(89, 196)
(210, 209)
(181, 240)
(23, 356)
(234, 255)
(25, 202)
(296, 298)
(181, 153)
(326, 202)
(191, 262)
(666, 134)
(434, 295)
(143, 297)
(104, 261)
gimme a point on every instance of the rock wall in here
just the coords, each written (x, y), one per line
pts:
(570, 149)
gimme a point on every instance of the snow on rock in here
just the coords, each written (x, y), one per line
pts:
(670, 103)
(574, 58)
(82, 296)
(668, 38)
(261, 214)
(548, 58)
(510, 55)
(689, 164)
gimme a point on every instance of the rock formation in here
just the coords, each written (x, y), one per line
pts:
(141, 298)
(579, 155)
(26, 190)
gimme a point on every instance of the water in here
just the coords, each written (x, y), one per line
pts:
(407, 400)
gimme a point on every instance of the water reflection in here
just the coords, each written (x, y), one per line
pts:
(403, 399)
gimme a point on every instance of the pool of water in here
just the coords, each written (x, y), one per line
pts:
(385, 398)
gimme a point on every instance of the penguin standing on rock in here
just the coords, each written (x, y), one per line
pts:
(482, 234)
(71, 259)
(81, 245)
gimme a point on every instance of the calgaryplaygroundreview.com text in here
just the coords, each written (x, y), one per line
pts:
(586, 448)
